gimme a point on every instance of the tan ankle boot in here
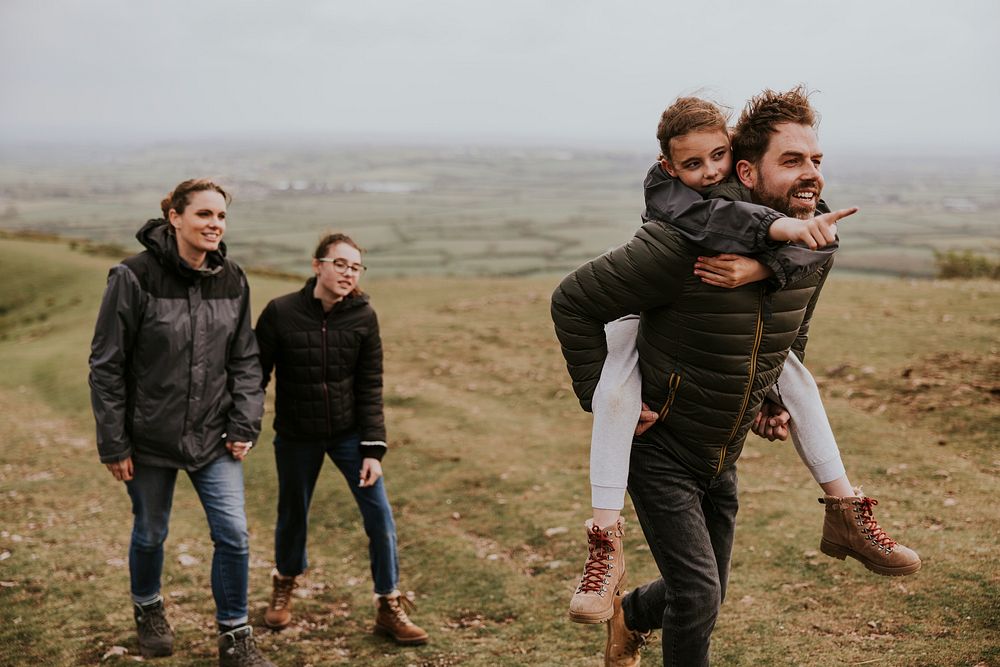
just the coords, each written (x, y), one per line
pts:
(623, 645)
(279, 611)
(603, 574)
(850, 529)
(391, 620)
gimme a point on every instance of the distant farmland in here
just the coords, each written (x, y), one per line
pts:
(470, 211)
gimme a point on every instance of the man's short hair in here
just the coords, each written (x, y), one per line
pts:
(760, 116)
(686, 115)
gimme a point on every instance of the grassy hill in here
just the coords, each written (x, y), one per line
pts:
(488, 452)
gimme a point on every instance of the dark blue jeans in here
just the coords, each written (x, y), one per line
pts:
(298, 465)
(220, 488)
(689, 525)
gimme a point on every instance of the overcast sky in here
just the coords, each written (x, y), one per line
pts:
(897, 74)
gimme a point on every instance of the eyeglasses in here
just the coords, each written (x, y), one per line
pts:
(343, 266)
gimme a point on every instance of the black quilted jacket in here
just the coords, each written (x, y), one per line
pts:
(708, 355)
(328, 368)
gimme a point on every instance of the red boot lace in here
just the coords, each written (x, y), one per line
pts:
(597, 567)
(878, 536)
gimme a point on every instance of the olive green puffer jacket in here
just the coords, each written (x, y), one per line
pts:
(708, 355)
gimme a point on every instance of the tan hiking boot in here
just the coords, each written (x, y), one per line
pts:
(391, 620)
(279, 610)
(622, 649)
(603, 574)
(850, 529)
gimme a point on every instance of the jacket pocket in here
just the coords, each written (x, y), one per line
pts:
(673, 384)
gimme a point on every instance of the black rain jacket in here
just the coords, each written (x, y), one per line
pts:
(174, 369)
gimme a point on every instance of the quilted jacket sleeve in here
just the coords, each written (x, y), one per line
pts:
(799, 346)
(645, 273)
(267, 340)
(368, 393)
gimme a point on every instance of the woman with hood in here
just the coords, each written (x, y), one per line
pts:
(176, 385)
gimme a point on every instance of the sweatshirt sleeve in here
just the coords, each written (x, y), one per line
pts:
(244, 379)
(110, 350)
(645, 273)
(368, 393)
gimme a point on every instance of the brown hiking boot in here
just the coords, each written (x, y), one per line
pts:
(603, 574)
(391, 620)
(622, 649)
(238, 649)
(156, 638)
(850, 529)
(279, 610)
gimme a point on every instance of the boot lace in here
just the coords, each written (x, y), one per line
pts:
(634, 641)
(282, 592)
(874, 531)
(243, 651)
(595, 571)
(154, 622)
(398, 606)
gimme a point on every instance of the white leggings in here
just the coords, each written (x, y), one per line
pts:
(618, 400)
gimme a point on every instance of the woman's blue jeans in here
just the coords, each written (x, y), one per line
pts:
(298, 466)
(220, 488)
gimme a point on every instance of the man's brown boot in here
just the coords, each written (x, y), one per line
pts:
(603, 574)
(279, 611)
(391, 620)
(622, 649)
(850, 529)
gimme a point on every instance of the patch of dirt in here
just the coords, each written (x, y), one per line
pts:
(935, 382)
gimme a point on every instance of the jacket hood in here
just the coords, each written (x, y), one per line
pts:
(655, 193)
(353, 300)
(157, 236)
(655, 177)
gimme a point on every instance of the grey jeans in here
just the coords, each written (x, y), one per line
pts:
(688, 523)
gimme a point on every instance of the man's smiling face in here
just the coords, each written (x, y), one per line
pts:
(788, 177)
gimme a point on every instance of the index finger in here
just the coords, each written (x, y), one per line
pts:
(843, 213)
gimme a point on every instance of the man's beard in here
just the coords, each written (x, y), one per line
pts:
(785, 202)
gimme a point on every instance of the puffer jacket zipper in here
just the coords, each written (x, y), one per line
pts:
(673, 382)
(326, 389)
(758, 336)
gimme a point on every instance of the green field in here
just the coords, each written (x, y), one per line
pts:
(471, 211)
(488, 451)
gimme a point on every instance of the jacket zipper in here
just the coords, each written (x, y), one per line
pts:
(753, 371)
(326, 390)
(673, 382)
